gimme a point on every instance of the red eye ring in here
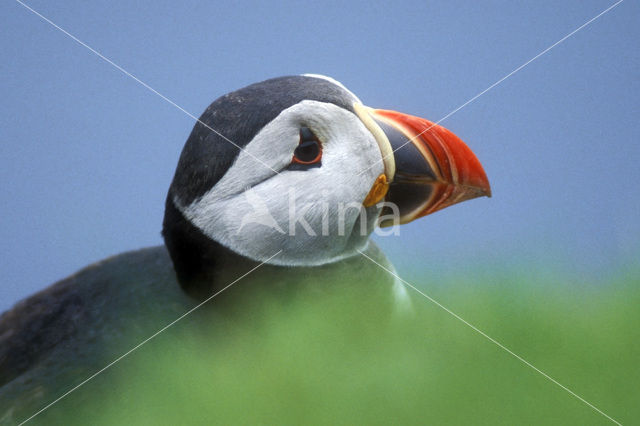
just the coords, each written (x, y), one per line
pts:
(309, 150)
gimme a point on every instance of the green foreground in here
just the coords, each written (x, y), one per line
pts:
(342, 357)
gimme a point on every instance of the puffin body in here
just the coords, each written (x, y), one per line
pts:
(60, 336)
(286, 178)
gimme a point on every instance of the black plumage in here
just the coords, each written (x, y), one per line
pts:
(60, 336)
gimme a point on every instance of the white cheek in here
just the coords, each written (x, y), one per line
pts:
(272, 146)
(254, 211)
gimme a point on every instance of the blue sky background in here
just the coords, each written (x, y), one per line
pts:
(87, 154)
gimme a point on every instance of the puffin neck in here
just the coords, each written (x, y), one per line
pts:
(202, 265)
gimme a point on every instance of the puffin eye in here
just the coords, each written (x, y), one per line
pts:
(309, 150)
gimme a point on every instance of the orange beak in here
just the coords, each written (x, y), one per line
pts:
(434, 169)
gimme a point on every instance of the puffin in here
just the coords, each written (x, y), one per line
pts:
(276, 193)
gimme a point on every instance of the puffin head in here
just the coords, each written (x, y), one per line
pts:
(298, 165)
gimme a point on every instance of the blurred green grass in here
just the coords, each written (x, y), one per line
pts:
(352, 357)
